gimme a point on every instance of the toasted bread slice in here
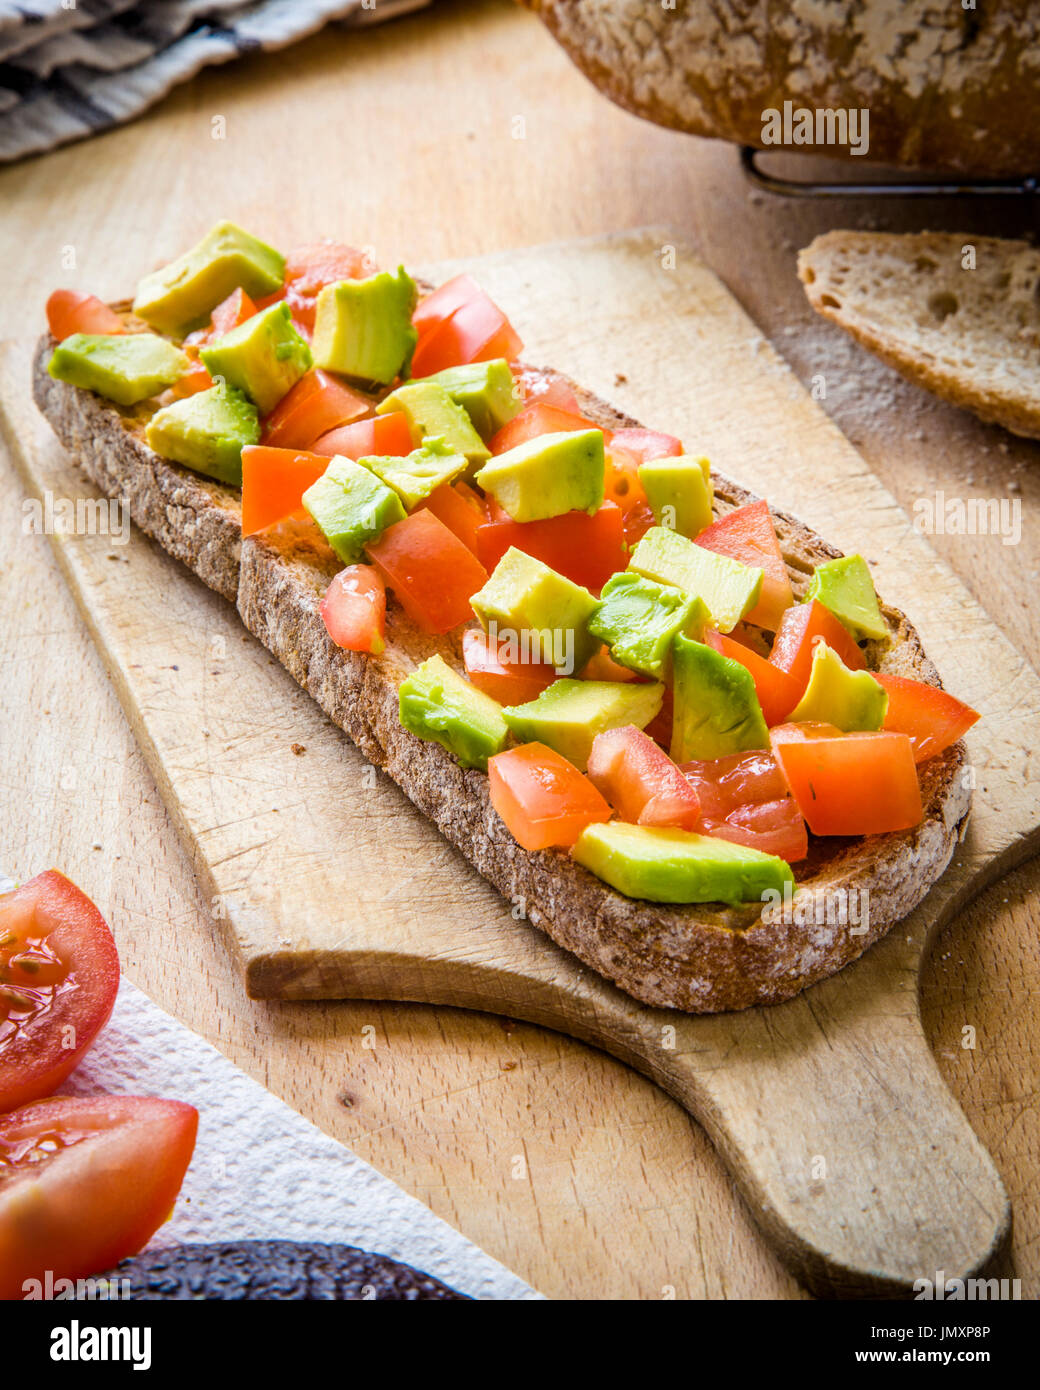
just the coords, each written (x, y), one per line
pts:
(958, 315)
(700, 959)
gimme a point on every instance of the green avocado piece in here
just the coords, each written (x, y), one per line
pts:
(678, 866)
(716, 708)
(352, 507)
(206, 432)
(570, 713)
(729, 589)
(851, 700)
(419, 473)
(679, 492)
(639, 620)
(436, 704)
(846, 588)
(123, 367)
(432, 414)
(363, 328)
(548, 475)
(485, 390)
(182, 295)
(547, 614)
(264, 356)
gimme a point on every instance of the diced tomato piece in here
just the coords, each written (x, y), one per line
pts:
(777, 692)
(508, 682)
(640, 780)
(431, 572)
(772, 827)
(534, 420)
(86, 1181)
(587, 549)
(59, 974)
(459, 323)
(442, 302)
(354, 609)
(931, 718)
(749, 535)
(646, 445)
(745, 798)
(536, 385)
(543, 799)
(316, 404)
(308, 269)
(854, 784)
(195, 379)
(384, 436)
(800, 628)
(70, 312)
(461, 510)
(603, 667)
(273, 484)
(228, 314)
(621, 483)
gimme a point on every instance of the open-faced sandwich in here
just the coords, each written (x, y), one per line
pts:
(676, 728)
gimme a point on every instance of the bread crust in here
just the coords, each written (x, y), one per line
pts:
(697, 959)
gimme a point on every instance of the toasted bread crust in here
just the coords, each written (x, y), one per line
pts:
(699, 959)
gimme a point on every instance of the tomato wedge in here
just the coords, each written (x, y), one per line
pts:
(195, 379)
(587, 549)
(459, 323)
(308, 269)
(745, 798)
(533, 420)
(800, 628)
(316, 404)
(508, 682)
(228, 314)
(442, 302)
(931, 718)
(85, 1182)
(543, 799)
(748, 534)
(777, 691)
(640, 780)
(853, 784)
(273, 484)
(59, 974)
(461, 510)
(772, 827)
(354, 610)
(70, 312)
(384, 436)
(431, 572)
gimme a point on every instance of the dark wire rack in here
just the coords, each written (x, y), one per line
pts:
(1025, 187)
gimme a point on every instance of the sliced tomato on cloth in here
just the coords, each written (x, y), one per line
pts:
(319, 402)
(354, 609)
(85, 1182)
(586, 549)
(640, 780)
(931, 718)
(69, 311)
(748, 534)
(432, 573)
(508, 682)
(852, 784)
(543, 799)
(59, 974)
(273, 483)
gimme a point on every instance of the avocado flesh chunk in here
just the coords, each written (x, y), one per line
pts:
(352, 507)
(363, 328)
(122, 367)
(432, 414)
(851, 700)
(524, 596)
(678, 866)
(419, 473)
(729, 589)
(183, 294)
(846, 588)
(485, 390)
(437, 704)
(679, 492)
(548, 475)
(264, 356)
(716, 707)
(206, 432)
(639, 620)
(570, 713)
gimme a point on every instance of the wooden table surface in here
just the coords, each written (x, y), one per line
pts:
(458, 131)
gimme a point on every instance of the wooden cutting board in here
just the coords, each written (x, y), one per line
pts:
(829, 1110)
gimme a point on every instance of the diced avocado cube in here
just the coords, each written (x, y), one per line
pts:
(485, 390)
(548, 475)
(352, 507)
(437, 704)
(206, 432)
(679, 866)
(264, 356)
(639, 620)
(548, 613)
(846, 588)
(679, 492)
(363, 328)
(716, 709)
(182, 295)
(419, 473)
(729, 589)
(432, 414)
(850, 700)
(570, 713)
(122, 367)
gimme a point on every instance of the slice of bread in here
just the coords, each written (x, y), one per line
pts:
(958, 315)
(701, 959)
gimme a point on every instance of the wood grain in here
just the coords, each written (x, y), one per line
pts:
(623, 1198)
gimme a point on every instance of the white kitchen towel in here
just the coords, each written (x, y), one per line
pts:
(260, 1170)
